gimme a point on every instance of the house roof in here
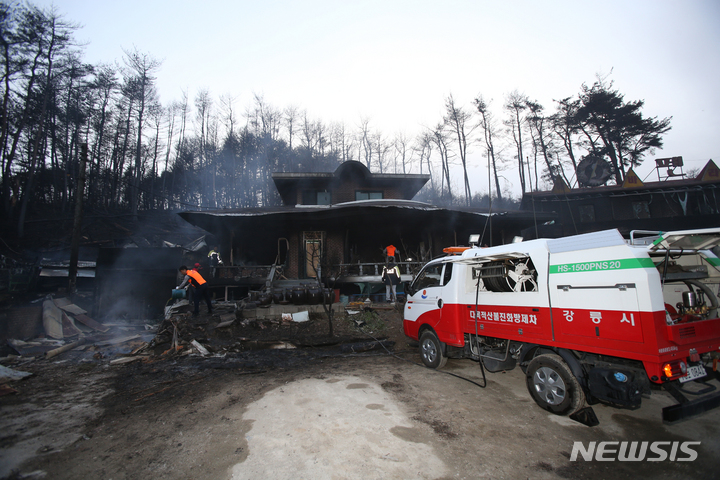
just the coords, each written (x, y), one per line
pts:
(364, 214)
(408, 184)
(645, 188)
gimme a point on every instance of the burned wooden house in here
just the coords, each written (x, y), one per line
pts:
(337, 224)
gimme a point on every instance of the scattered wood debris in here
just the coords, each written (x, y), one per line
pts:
(203, 351)
(117, 341)
(64, 348)
(89, 322)
(124, 360)
(38, 346)
(52, 320)
(72, 309)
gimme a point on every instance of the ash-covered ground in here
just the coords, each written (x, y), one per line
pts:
(274, 400)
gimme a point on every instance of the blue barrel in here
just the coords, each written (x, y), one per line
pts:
(178, 293)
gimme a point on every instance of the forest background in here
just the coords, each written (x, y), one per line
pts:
(206, 152)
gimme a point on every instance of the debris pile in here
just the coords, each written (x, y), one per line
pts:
(230, 335)
(183, 334)
(59, 326)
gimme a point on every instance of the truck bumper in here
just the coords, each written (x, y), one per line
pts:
(690, 408)
(686, 408)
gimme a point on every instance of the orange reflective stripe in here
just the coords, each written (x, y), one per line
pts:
(196, 276)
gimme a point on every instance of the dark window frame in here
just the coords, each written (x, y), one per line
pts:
(368, 193)
(312, 197)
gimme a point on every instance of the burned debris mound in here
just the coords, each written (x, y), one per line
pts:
(246, 340)
(232, 330)
(56, 326)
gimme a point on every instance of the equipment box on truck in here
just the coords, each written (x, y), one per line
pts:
(585, 317)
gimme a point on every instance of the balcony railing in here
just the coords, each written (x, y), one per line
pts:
(366, 271)
(344, 272)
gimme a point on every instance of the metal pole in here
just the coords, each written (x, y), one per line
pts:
(77, 223)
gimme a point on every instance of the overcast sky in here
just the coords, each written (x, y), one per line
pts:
(395, 61)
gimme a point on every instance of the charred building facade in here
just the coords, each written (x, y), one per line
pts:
(670, 204)
(341, 221)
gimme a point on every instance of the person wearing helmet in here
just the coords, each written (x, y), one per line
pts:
(200, 288)
(391, 278)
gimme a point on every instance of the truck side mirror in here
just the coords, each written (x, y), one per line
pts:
(409, 291)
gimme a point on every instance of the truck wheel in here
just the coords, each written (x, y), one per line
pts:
(553, 386)
(431, 350)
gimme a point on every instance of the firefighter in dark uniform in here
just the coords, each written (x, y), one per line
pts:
(200, 286)
(391, 278)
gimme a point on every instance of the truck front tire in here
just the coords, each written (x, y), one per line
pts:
(431, 350)
(553, 386)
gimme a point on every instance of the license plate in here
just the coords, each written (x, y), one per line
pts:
(696, 371)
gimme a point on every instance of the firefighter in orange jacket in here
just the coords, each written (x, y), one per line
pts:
(197, 282)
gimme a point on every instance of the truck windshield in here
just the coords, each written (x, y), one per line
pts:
(429, 277)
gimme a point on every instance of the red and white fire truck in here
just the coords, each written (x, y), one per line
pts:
(589, 318)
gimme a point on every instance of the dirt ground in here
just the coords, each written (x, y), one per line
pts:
(312, 412)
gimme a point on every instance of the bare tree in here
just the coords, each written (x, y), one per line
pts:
(203, 109)
(183, 110)
(566, 126)
(440, 139)
(155, 118)
(170, 117)
(347, 144)
(341, 144)
(457, 119)
(227, 107)
(105, 87)
(49, 36)
(314, 135)
(265, 119)
(382, 149)
(423, 147)
(13, 65)
(515, 106)
(291, 115)
(402, 152)
(140, 68)
(365, 145)
(489, 130)
(544, 142)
